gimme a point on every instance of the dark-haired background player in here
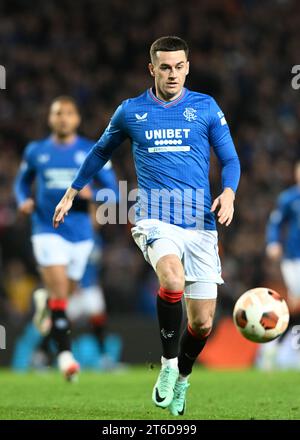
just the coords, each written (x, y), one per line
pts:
(62, 255)
(172, 130)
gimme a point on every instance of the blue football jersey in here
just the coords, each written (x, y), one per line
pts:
(53, 166)
(171, 144)
(91, 276)
(284, 223)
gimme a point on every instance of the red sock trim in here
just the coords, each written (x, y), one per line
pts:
(57, 304)
(171, 296)
(98, 320)
(196, 335)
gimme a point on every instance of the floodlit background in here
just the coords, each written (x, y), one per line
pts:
(242, 53)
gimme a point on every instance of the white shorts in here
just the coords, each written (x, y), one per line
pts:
(291, 274)
(197, 249)
(54, 250)
(86, 302)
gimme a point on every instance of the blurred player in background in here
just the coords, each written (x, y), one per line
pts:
(172, 129)
(283, 246)
(48, 167)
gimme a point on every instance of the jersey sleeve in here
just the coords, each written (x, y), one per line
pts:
(106, 178)
(101, 152)
(276, 220)
(25, 175)
(221, 141)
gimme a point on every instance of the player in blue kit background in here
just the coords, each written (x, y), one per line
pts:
(283, 246)
(51, 164)
(172, 130)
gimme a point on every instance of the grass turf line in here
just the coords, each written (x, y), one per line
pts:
(213, 395)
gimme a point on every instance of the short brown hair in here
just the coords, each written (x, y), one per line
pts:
(66, 98)
(168, 44)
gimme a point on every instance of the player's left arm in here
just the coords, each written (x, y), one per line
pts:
(222, 143)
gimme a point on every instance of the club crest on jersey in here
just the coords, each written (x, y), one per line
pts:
(43, 158)
(190, 114)
(79, 157)
(141, 118)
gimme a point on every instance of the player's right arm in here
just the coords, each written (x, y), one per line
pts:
(113, 136)
(24, 180)
(274, 229)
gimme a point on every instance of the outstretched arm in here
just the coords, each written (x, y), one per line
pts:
(64, 207)
(112, 137)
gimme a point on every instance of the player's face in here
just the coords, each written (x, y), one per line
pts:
(169, 70)
(64, 118)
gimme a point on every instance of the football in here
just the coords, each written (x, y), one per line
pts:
(261, 314)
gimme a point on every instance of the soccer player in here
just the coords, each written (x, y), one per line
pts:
(61, 254)
(172, 129)
(283, 245)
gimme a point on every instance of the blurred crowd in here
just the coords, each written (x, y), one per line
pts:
(242, 53)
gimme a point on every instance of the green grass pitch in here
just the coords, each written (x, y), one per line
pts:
(127, 395)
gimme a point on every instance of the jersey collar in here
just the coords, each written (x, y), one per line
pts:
(67, 146)
(166, 104)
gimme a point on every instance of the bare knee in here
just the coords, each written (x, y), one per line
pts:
(56, 282)
(170, 273)
(201, 328)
